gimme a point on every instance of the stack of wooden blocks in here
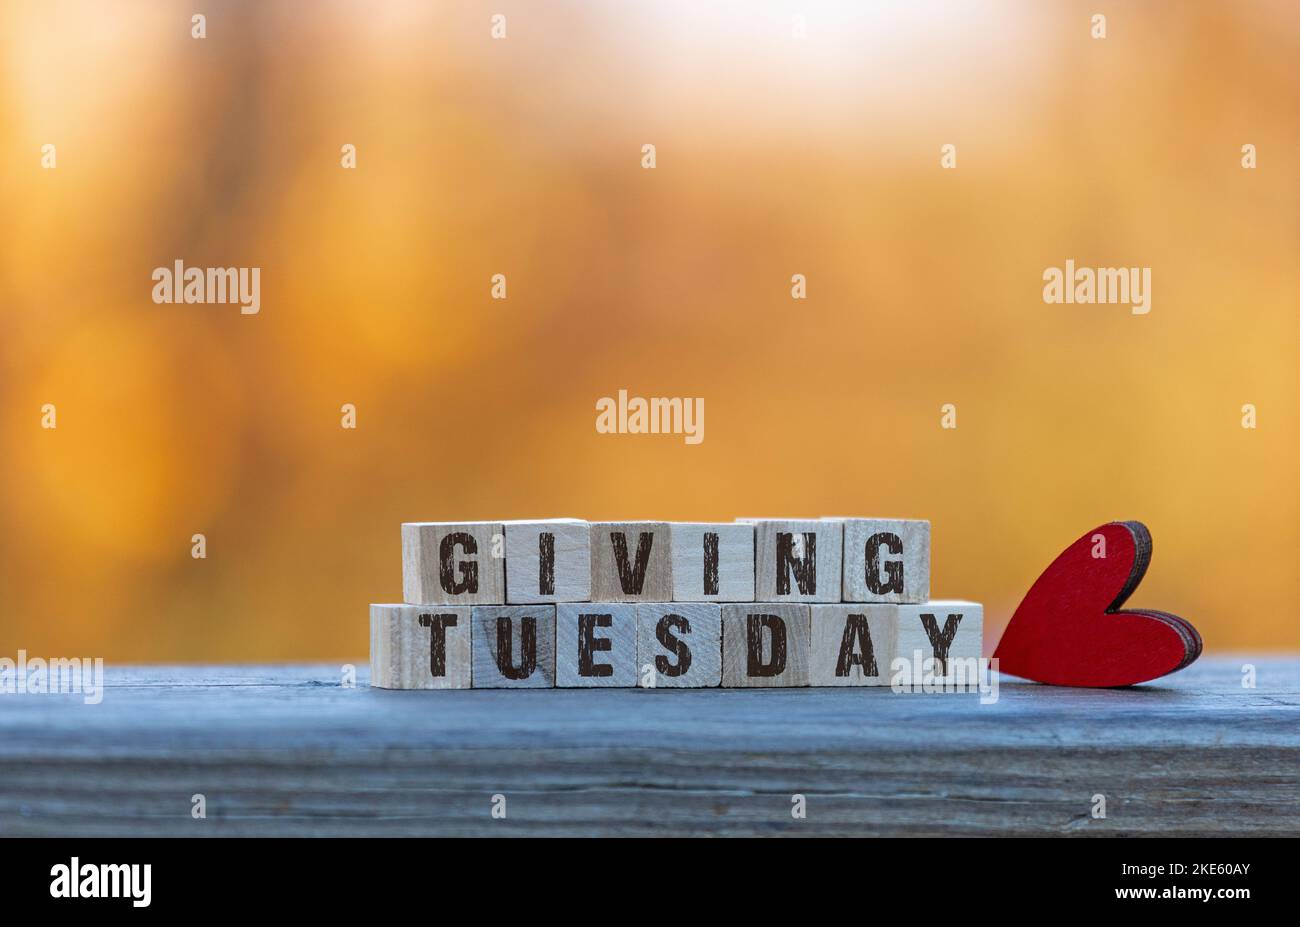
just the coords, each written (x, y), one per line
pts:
(761, 602)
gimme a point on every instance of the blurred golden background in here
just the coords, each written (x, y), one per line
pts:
(776, 155)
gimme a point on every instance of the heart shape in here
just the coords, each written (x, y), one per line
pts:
(1069, 631)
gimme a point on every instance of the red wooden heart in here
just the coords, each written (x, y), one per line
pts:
(1069, 630)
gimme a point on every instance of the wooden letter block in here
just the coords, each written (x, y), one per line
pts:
(679, 644)
(419, 647)
(631, 562)
(886, 560)
(852, 645)
(712, 563)
(548, 561)
(595, 645)
(798, 561)
(949, 633)
(445, 563)
(765, 644)
(513, 646)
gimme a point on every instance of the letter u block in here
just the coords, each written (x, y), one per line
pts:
(453, 563)
(513, 646)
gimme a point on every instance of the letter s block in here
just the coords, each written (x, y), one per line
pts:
(453, 563)
(681, 642)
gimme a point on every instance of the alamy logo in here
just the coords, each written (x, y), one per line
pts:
(181, 284)
(55, 676)
(654, 416)
(88, 880)
(1118, 285)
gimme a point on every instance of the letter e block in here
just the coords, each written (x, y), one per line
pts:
(595, 645)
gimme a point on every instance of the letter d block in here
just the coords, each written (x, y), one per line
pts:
(886, 560)
(595, 645)
(765, 645)
(679, 644)
(852, 645)
(445, 563)
(513, 646)
(419, 647)
(949, 633)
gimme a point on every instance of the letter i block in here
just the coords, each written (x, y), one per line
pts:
(446, 563)
(886, 560)
(548, 561)
(631, 562)
(941, 640)
(798, 561)
(679, 644)
(852, 645)
(595, 645)
(712, 563)
(513, 646)
(765, 644)
(419, 647)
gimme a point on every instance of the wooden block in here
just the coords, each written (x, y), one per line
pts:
(798, 561)
(886, 560)
(679, 644)
(548, 561)
(765, 644)
(595, 645)
(852, 645)
(712, 562)
(631, 562)
(419, 647)
(513, 646)
(945, 631)
(453, 563)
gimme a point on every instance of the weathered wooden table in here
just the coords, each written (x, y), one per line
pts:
(288, 750)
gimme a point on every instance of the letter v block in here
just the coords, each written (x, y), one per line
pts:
(631, 562)
(513, 646)
(765, 645)
(852, 645)
(453, 563)
(595, 645)
(419, 647)
(886, 560)
(951, 634)
(798, 561)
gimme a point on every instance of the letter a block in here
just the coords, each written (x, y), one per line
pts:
(548, 561)
(712, 563)
(798, 561)
(419, 647)
(513, 646)
(949, 633)
(679, 644)
(765, 644)
(595, 645)
(631, 562)
(852, 645)
(886, 560)
(445, 563)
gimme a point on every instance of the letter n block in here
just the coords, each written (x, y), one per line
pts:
(852, 645)
(513, 646)
(453, 563)
(419, 647)
(798, 561)
(886, 560)
(679, 644)
(765, 644)
(631, 562)
(595, 645)
(944, 632)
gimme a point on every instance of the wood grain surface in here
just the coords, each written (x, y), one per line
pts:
(288, 750)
